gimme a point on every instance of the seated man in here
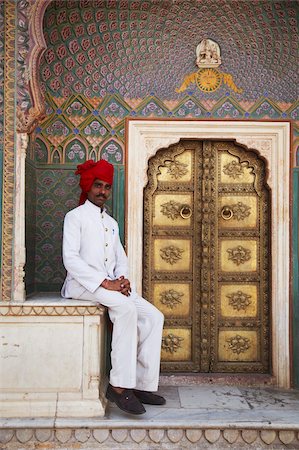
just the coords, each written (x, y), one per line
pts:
(97, 270)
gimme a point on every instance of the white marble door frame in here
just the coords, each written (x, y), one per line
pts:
(272, 141)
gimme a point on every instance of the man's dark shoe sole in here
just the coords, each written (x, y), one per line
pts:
(126, 401)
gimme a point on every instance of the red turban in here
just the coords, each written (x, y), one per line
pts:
(90, 171)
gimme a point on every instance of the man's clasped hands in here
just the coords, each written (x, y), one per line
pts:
(121, 285)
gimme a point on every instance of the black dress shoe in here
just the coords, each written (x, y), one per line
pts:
(149, 398)
(126, 401)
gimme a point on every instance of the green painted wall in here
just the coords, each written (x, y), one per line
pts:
(295, 260)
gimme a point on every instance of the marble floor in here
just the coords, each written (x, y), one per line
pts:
(218, 405)
(201, 416)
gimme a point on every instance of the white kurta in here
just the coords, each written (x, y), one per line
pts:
(92, 251)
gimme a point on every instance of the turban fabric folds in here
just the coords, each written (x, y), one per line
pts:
(90, 171)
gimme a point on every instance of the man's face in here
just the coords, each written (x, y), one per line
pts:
(99, 193)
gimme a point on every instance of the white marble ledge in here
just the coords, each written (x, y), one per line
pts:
(50, 304)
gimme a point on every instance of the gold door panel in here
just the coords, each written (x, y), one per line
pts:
(169, 210)
(176, 344)
(238, 211)
(172, 299)
(178, 170)
(172, 255)
(238, 345)
(238, 300)
(207, 256)
(238, 255)
(232, 171)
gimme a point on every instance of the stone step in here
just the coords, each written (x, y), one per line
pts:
(144, 436)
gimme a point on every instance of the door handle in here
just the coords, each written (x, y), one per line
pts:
(185, 212)
(226, 213)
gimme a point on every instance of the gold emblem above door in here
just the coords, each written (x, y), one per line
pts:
(207, 256)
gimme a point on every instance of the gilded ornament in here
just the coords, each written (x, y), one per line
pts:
(238, 344)
(208, 78)
(170, 298)
(201, 351)
(239, 255)
(176, 169)
(171, 209)
(233, 169)
(240, 211)
(171, 254)
(171, 343)
(239, 300)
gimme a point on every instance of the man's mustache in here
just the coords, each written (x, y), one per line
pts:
(101, 196)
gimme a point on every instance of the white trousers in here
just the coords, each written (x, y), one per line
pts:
(136, 338)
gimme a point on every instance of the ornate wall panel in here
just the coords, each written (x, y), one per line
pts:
(9, 147)
(2, 40)
(106, 61)
(136, 48)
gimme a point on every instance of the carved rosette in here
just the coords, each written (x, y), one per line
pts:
(171, 209)
(233, 169)
(176, 169)
(171, 343)
(238, 344)
(171, 298)
(240, 211)
(171, 254)
(239, 255)
(239, 300)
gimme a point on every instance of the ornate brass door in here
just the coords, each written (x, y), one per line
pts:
(207, 256)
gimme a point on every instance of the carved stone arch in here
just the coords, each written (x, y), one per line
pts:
(272, 141)
(27, 120)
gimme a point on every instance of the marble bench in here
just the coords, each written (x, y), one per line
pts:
(53, 358)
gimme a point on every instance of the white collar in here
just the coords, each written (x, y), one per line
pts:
(94, 207)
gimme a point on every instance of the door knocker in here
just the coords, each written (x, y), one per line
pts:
(226, 213)
(185, 212)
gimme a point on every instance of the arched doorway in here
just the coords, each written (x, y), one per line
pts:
(207, 256)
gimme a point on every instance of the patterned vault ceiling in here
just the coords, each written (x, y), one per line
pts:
(136, 48)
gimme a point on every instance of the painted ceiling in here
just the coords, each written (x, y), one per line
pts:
(139, 48)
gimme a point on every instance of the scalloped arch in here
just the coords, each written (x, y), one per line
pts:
(27, 121)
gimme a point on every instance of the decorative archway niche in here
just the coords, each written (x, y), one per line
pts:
(272, 142)
(26, 121)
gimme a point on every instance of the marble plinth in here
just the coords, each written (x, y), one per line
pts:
(52, 356)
